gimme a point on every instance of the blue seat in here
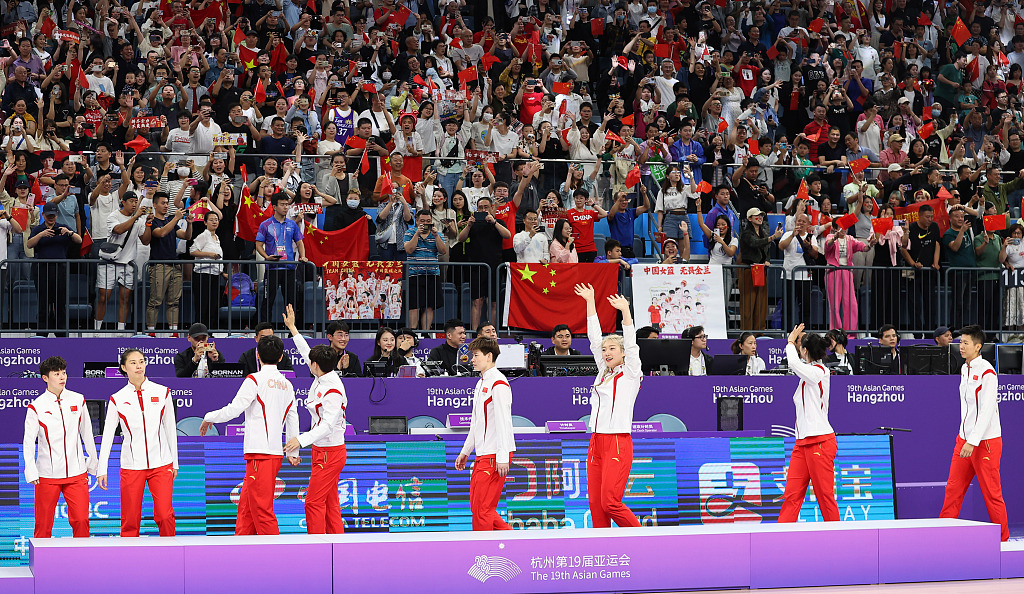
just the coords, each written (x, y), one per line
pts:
(24, 308)
(449, 303)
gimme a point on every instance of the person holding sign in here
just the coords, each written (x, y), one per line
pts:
(979, 444)
(611, 418)
(814, 454)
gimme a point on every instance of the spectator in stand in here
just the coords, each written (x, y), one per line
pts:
(754, 244)
(485, 240)
(448, 352)
(958, 242)
(563, 247)
(280, 239)
(751, 194)
(423, 246)
(393, 218)
(251, 363)
(165, 280)
(531, 244)
(125, 229)
(621, 218)
(842, 298)
(582, 219)
(923, 254)
(987, 247)
(561, 342)
(50, 241)
(206, 275)
(1012, 257)
(997, 192)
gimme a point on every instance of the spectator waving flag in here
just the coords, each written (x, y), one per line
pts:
(960, 33)
(541, 296)
(249, 217)
(858, 165)
(349, 243)
(995, 222)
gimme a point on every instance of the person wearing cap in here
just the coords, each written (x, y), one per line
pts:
(187, 362)
(943, 336)
(51, 240)
(754, 244)
(892, 156)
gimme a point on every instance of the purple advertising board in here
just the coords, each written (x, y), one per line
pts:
(927, 406)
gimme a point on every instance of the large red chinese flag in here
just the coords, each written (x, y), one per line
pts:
(349, 243)
(995, 222)
(909, 213)
(249, 216)
(541, 296)
(960, 33)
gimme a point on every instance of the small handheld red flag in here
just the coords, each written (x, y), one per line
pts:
(662, 50)
(260, 94)
(633, 177)
(704, 187)
(364, 163)
(802, 192)
(468, 75)
(773, 52)
(846, 221)
(627, 120)
(238, 37)
(753, 146)
(722, 125)
(489, 60)
(882, 226)
(816, 25)
(138, 144)
(858, 165)
(926, 130)
(562, 88)
(960, 32)
(995, 222)
(597, 27)
(613, 136)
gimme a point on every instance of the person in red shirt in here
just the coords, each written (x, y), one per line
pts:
(582, 219)
(505, 211)
(818, 127)
(531, 98)
(746, 74)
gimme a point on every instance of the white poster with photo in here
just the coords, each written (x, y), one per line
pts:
(679, 296)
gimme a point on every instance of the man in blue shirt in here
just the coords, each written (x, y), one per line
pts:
(613, 253)
(280, 238)
(688, 150)
(423, 245)
(51, 241)
(621, 218)
(721, 207)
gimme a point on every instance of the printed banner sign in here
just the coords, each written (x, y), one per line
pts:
(478, 158)
(229, 139)
(363, 290)
(308, 208)
(65, 35)
(147, 122)
(678, 296)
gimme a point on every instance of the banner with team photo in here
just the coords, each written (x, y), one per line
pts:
(678, 296)
(357, 290)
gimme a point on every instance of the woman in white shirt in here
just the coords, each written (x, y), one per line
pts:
(429, 127)
(723, 243)
(1012, 256)
(477, 189)
(672, 202)
(206, 249)
(327, 147)
(746, 344)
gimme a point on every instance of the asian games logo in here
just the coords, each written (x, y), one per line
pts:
(730, 492)
(487, 567)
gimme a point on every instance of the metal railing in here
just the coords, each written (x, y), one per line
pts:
(62, 296)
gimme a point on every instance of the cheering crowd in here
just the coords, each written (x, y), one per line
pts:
(888, 131)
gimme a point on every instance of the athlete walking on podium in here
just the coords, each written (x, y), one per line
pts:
(611, 413)
(814, 453)
(149, 450)
(59, 421)
(268, 400)
(326, 404)
(979, 444)
(490, 434)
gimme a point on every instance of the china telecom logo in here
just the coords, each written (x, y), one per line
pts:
(487, 567)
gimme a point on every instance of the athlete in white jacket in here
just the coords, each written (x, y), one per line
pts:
(814, 454)
(611, 413)
(979, 444)
(59, 422)
(149, 447)
(268, 400)
(326, 404)
(490, 435)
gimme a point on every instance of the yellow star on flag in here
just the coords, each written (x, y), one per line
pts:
(248, 200)
(250, 65)
(545, 291)
(527, 274)
(552, 283)
(552, 271)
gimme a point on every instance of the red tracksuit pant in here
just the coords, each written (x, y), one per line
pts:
(76, 495)
(811, 463)
(323, 508)
(256, 501)
(133, 487)
(608, 464)
(984, 462)
(485, 487)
